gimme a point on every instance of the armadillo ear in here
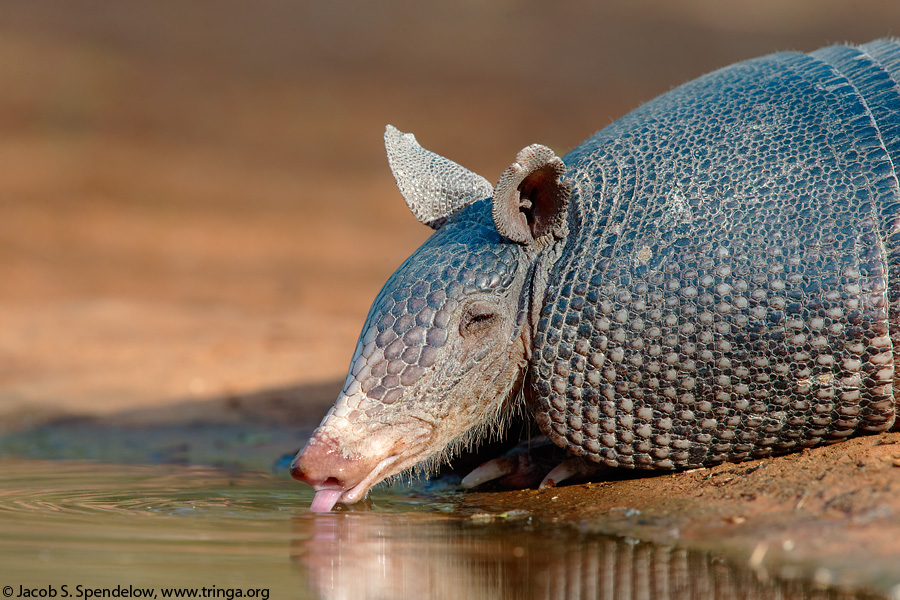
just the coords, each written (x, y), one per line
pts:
(532, 196)
(434, 187)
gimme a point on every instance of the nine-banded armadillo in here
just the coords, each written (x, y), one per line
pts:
(713, 277)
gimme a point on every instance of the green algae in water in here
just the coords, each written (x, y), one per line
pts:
(115, 529)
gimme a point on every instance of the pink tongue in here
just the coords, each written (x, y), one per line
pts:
(325, 500)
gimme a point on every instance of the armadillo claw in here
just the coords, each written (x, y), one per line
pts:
(525, 466)
(571, 468)
(495, 468)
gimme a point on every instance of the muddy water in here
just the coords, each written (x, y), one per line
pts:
(81, 530)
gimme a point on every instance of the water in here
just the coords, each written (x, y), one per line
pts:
(80, 530)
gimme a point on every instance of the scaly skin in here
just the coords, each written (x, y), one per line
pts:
(711, 278)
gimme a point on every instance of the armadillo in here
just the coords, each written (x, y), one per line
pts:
(713, 277)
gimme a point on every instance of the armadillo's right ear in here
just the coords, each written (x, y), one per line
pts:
(434, 187)
(531, 199)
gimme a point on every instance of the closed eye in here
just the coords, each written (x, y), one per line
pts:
(478, 319)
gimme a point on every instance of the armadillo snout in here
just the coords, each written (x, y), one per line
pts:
(322, 465)
(299, 474)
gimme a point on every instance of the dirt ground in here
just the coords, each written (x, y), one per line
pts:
(827, 514)
(196, 212)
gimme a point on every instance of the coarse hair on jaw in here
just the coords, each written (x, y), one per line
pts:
(492, 426)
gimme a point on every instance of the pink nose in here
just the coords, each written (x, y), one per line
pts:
(322, 465)
(299, 474)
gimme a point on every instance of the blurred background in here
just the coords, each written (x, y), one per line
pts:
(195, 207)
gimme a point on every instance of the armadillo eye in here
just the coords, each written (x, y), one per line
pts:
(478, 318)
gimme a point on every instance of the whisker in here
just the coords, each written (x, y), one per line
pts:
(493, 425)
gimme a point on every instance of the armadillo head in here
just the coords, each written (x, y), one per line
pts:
(446, 342)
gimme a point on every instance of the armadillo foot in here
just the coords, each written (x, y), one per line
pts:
(536, 463)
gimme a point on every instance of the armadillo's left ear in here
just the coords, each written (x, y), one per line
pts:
(434, 187)
(532, 196)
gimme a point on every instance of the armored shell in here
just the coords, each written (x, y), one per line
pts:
(729, 286)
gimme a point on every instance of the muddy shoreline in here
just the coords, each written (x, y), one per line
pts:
(830, 515)
(827, 514)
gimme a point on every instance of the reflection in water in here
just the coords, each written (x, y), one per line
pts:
(393, 556)
(103, 526)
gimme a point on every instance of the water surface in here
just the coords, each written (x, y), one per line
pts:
(78, 529)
